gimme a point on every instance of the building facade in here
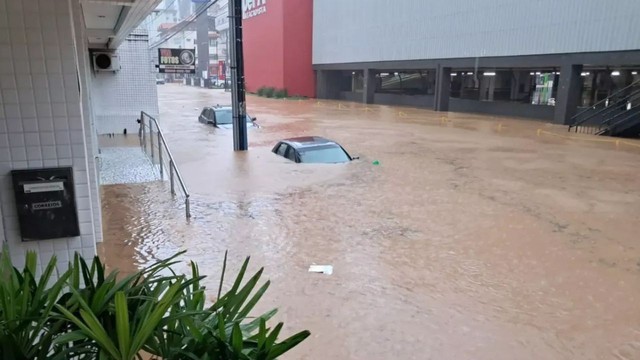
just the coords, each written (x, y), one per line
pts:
(540, 59)
(277, 45)
(52, 101)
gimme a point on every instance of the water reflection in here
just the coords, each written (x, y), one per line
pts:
(464, 243)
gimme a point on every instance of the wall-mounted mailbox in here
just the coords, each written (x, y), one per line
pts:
(46, 203)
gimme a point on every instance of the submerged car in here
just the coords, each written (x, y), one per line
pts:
(312, 149)
(222, 117)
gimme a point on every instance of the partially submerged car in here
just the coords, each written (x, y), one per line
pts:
(312, 149)
(222, 117)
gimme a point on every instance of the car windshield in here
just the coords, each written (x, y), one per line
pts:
(225, 117)
(324, 155)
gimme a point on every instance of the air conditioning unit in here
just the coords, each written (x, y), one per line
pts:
(105, 62)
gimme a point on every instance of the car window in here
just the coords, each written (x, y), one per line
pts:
(291, 154)
(324, 154)
(223, 117)
(281, 150)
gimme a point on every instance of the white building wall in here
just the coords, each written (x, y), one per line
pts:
(347, 31)
(91, 139)
(119, 97)
(41, 115)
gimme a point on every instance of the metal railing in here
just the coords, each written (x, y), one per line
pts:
(604, 108)
(155, 144)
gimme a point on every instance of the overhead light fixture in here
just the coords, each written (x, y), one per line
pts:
(454, 74)
(634, 73)
(395, 73)
(615, 73)
(532, 73)
(489, 73)
(538, 73)
(585, 74)
(470, 73)
(384, 74)
(557, 73)
(353, 73)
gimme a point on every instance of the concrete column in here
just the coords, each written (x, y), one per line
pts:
(431, 82)
(322, 84)
(568, 96)
(487, 86)
(369, 89)
(443, 89)
(330, 83)
(516, 80)
(492, 87)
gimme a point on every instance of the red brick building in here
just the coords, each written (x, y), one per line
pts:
(278, 44)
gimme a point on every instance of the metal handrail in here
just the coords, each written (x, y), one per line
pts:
(608, 112)
(594, 106)
(173, 169)
(630, 114)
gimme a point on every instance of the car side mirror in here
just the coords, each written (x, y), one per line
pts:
(355, 158)
(253, 119)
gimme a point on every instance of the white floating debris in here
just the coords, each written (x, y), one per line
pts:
(322, 269)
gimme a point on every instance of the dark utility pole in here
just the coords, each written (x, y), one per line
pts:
(202, 44)
(240, 141)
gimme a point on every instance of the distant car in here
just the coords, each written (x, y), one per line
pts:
(159, 81)
(222, 117)
(312, 149)
(216, 83)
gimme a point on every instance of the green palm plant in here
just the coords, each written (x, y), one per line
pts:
(114, 319)
(27, 330)
(89, 314)
(224, 330)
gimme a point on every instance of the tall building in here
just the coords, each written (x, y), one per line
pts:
(277, 45)
(540, 59)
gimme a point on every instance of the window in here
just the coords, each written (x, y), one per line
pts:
(282, 150)
(291, 154)
(209, 114)
(324, 155)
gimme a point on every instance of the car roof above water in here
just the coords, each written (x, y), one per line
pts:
(308, 141)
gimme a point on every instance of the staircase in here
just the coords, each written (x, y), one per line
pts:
(617, 115)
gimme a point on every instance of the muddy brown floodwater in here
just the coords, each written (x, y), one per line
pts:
(475, 237)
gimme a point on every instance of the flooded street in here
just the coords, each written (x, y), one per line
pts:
(475, 237)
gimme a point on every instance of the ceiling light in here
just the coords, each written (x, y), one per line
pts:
(538, 73)
(454, 74)
(469, 73)
(395, 73)
(532, 73)
(584, 74)
(489, 73)
(615, 73)
(634, 73)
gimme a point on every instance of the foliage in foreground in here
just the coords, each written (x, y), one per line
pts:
(89, 314)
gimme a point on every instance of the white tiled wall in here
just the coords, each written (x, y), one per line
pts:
(41, 117)
(119, 97)
(91, 140)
